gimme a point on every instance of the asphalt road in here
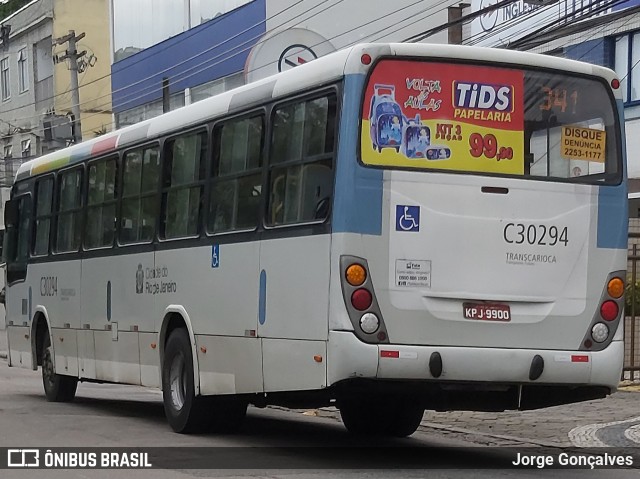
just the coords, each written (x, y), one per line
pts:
(124, 416)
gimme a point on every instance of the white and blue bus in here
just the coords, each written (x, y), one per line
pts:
(387, 229)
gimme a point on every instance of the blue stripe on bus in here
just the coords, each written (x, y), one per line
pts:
(613, 205)
(357, 205)
(613, 217)
(262, 298)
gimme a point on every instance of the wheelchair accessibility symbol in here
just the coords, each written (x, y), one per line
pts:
(407, 218)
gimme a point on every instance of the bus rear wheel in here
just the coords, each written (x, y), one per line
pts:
(395, 418)
(186, 412)
(57, 387)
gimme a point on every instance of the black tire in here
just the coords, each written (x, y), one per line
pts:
(380, 418)
(404, 420)
(360, 418)
(57, 387)
(186, 412)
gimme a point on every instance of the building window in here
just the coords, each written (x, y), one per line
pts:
(23, 70)
(8, 163)
(627, 58)
(25, 146)
(4, 79)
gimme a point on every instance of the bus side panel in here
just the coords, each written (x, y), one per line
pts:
(19, 346)
(116, 306)
(18, 321)
(294, 365)
(296, 287)
(218, 288)
(229, 365)
(220, 298)
(149, 360)
(56, 287)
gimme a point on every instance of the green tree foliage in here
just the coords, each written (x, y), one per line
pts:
(11, 6)
(632, 298)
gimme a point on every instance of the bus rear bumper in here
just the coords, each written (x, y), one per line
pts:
(349, 358)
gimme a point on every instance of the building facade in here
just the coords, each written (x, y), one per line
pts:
(193, 49)
(35, 94)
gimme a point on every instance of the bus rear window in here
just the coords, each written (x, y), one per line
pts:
(484, 119)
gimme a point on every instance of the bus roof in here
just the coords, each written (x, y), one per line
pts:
(321, 71)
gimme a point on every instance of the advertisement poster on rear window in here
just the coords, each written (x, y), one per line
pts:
(444, 116)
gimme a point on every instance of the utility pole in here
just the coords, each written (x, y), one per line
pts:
(72, 55)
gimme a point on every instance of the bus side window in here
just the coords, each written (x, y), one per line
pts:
(237, 181)
(18, 224)
(183, 177)
(301, 169)
(317, 184)
(42, 227)
(101, 204)
(139, 195)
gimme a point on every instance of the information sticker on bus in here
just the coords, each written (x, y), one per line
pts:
(487, 311)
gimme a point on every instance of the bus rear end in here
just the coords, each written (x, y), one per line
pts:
(482, 255)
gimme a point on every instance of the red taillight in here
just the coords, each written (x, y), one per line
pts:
(361, 299)
(609, 310)
(615, 83)
(365, 59)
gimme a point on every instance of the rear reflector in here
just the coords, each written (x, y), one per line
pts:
(579, 358)
(389, 354)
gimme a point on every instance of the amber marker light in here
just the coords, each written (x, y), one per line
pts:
(615, 288)
(356, 274)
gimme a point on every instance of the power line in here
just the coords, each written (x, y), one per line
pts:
(153, 88)
(181, 39)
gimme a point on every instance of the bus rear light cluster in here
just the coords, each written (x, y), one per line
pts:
(360, 299)
(606, 319)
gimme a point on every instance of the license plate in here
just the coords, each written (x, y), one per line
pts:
(487, 311)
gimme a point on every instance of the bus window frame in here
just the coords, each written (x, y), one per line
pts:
(149, 143)
(50, 216)
(82, 166)
(203, 184)
(212, 179)
(334, 89)
(14, 230)
(88, 163)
